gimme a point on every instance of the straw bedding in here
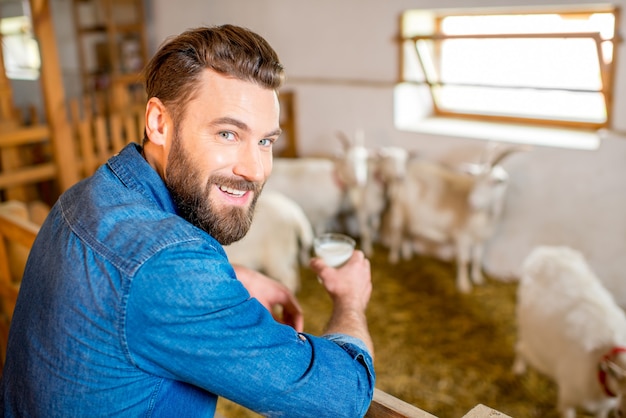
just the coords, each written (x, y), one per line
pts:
(435, 348)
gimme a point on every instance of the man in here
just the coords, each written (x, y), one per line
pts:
(129, 306)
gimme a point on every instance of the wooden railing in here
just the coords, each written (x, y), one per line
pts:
(385, 405)
(25, 157)
(19, 167)
(17, 235)
(98, 136)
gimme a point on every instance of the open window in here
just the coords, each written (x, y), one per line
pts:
(20, 50)
(546, 67)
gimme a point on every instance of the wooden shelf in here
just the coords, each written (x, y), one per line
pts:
(112, 47)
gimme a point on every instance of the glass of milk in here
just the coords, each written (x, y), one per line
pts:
(334, 248)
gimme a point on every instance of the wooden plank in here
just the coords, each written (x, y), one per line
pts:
(134, 122)
(54, 96)
(7, 111)
(27, 175)
(101, 142)
(87, 154)
(141, 122)
(24, 135)
(483, 411)
(5, 271)
(11, 161)
(288, 124)
(385, 405)
(16, 154)
(13, 230)
(74, 111)
(117, 132)
(16, 229)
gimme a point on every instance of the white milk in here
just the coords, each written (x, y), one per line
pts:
(334, 253)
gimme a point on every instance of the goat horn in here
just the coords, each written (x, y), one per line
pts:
(508, 151)
(345, 140)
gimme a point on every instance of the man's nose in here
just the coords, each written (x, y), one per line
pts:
(250, 164)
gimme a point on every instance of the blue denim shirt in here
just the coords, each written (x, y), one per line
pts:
(126, 309)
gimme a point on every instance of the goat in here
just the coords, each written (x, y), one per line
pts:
(571, 330)
(356, 170)
(437, 204)
(279, 240)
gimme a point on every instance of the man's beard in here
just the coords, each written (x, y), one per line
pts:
(226, 225)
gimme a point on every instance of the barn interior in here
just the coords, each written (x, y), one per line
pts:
(374, 72)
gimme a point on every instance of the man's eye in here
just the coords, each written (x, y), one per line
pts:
(227, 135)
(266, 142)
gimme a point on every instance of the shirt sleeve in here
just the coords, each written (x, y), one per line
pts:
(188, 318)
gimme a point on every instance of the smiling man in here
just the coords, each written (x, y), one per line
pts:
(217, 167)
(129, 305)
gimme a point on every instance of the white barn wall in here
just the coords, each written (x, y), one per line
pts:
(568, 197)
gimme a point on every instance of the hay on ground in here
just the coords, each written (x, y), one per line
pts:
(440, 350)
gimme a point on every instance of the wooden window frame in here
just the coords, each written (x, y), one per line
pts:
(607, 70)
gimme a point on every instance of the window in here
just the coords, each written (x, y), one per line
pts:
(549, 68)
(20, 50)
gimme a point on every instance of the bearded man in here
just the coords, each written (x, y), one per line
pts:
(129, 305)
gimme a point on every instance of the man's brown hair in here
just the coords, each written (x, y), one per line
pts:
(174, 71)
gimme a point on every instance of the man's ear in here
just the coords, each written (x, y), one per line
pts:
(158, 121)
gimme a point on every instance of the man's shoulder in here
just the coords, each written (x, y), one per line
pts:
(125, 227)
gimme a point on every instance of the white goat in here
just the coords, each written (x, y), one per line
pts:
(279, 240)
(571, 330)
(312, 183)
(356, 169)
(437, 204)
(327, 189)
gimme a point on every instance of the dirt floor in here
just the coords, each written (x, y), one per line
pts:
(435, 348)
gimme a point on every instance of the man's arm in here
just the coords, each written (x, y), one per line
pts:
(350, 288)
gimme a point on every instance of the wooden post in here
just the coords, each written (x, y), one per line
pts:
(54, 96)
(6, 96)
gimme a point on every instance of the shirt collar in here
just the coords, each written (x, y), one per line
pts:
(136, 174)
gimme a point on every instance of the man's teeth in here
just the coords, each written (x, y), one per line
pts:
(235, 192)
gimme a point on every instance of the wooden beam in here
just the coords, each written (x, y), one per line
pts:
(6, 94)
(27, 175)
(24, 135)
(54, 95)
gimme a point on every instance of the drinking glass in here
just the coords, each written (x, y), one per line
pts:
(334, 248)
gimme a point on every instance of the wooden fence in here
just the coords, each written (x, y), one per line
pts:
(28, 168)
(98, 136)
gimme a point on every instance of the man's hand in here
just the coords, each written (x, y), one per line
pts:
(279, 300)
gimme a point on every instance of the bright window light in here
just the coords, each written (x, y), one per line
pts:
(20, 50)
(550, 68)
